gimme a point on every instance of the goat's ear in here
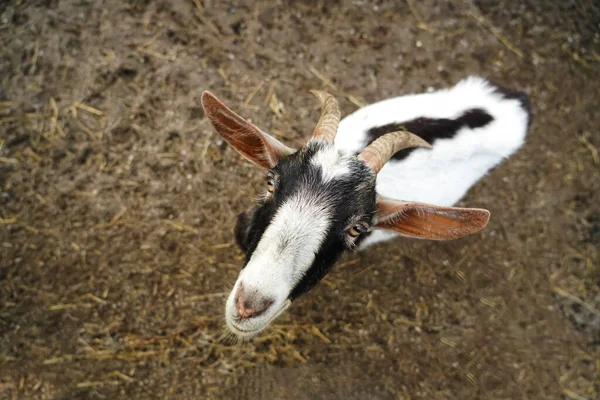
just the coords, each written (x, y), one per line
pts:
(246, 138)
(426, 221)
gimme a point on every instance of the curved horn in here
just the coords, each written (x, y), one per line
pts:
(330, 116)
(381, 150)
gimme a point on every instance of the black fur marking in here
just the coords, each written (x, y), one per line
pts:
(350, 196)
(362, 237)
(432, 129)
(330, 252)
(241, 229)
(522, 97)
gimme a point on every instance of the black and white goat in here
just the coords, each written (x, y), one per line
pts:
(394, 167)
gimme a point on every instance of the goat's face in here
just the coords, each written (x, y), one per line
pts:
(317, 203)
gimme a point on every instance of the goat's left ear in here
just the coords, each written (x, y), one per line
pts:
(426, 221)
(247, 139)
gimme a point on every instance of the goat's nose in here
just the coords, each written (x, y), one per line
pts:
(249, 305)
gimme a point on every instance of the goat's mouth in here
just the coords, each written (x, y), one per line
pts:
(246, 329)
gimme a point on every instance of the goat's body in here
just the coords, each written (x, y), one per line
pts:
(487, 125)
(321, 200)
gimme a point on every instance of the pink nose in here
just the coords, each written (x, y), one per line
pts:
(250, 305)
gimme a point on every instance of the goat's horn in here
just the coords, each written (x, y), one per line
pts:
(381, 150)
(330, 116)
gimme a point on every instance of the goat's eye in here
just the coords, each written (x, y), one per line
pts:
(270, 184)
(356, 230)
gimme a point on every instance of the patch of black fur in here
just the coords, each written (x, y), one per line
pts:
(259, 221)
(432, 129)
(241, 230)
(350, 196)
(358, 241)
(522, 97)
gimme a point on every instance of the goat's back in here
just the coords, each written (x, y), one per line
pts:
(472, 127)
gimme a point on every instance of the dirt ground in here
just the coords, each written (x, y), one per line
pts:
(118, 203)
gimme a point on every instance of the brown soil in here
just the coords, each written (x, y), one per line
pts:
(118, 203)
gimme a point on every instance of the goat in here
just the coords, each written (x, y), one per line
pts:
(392, 168)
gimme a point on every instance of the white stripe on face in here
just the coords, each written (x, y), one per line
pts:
(288, 247)
(284, 254)
(332, 163)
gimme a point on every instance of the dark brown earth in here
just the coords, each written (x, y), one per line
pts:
(118, 203)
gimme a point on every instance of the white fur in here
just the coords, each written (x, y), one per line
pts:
(443, 175)
(282, 257)
(331, 162)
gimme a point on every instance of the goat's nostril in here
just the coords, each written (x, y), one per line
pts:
(249, 306)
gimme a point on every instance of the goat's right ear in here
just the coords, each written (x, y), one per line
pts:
(257, 146)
